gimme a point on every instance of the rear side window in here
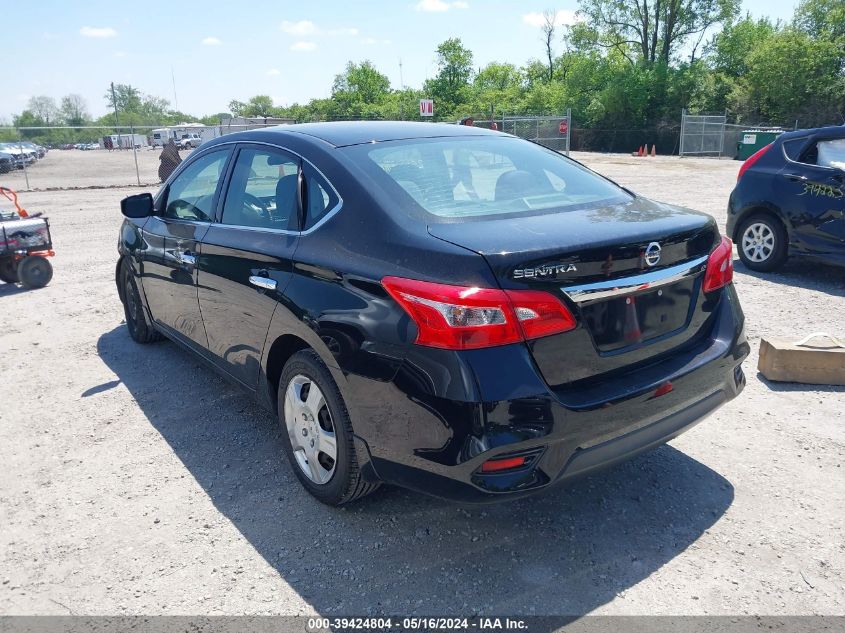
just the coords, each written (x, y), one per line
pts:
(191, 194)
(262, 191)
(792, 148)
(479, 177)
(320, 196)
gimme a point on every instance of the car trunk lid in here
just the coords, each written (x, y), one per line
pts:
(630, 273)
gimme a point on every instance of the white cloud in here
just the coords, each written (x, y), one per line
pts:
(303, 47)
(439, 6)
(564, 17)
(273, 72)
(212, 41)
(97, 31)
(303, 27)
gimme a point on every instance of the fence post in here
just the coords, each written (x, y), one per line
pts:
(683, 125)
(134, 152)
(568, 128)
(722, 136)
(23, 160)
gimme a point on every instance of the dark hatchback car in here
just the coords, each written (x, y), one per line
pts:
(445, 308)
(790, 201)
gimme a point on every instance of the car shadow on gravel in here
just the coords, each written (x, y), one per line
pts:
(565, 552)
(802, 274)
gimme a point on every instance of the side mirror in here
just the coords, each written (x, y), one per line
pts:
(137, 206)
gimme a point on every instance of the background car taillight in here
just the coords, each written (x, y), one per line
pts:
(751, 160)
(720, 266)
(460, 317)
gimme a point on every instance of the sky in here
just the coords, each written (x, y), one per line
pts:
(288, 50)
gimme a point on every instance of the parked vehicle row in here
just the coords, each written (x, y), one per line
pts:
(17, 155)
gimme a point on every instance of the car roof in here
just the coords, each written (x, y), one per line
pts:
(344, 133)
(821, 131)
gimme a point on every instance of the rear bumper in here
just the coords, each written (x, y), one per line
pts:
(436, 444)
(533, 479)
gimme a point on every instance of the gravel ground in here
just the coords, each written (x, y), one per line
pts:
(135, 481)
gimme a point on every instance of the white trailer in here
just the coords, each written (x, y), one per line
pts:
(127, 141)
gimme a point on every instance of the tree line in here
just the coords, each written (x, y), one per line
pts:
(626, 68)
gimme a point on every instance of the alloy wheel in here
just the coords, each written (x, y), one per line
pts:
(310, 429)
(758, 242)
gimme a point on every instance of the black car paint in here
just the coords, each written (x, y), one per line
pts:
(808, 199)
(427, 418)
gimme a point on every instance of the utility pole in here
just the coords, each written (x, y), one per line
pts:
(116, 119)
(401, 80)
(175, 98)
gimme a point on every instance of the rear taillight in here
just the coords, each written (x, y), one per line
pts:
(751, 160)
(459, 317)
(720, 266)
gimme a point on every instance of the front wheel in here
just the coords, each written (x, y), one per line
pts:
(762, 243)
(35, 271)
(318, 433)
(140, 329)
(9, 270)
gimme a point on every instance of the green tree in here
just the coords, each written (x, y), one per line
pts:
(454, 72)
(74, 111)
(821, 18)
(44, 109)
(124, 96)
(811, 91)
(651, 32)
(257, 106)
(361, 82)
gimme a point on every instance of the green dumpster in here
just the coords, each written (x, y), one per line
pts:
(752, 140)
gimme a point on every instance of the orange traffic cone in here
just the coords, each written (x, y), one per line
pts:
(653, 150)
(640, 151)
(631, 327)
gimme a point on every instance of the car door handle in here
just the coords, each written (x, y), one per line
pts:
(186, 257)
(262, 282)
(796, 177)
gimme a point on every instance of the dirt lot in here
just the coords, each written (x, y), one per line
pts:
(136, 481)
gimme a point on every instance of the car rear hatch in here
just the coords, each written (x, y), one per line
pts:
(631, 274)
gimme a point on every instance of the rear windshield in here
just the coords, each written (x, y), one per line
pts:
(466, 177)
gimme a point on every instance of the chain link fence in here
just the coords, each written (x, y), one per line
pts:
(552, 131)
(92, 157)
(712, 135)
(702, 134)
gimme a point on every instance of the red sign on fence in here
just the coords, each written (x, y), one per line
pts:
(426, 107)
(563, 128)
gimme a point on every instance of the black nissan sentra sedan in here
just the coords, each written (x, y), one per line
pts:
(445, 308)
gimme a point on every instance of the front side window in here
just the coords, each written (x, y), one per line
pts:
(191, 194)
(262, 193)
(478, 177)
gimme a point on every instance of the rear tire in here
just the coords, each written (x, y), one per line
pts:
(140, 329)
(35, 271)
(762, 242)
(9, 271)
(317, 432)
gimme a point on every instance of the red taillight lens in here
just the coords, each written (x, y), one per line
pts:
(498, 465)
(539, 313)
(720, 266)
(751, 160)
(458, 317)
